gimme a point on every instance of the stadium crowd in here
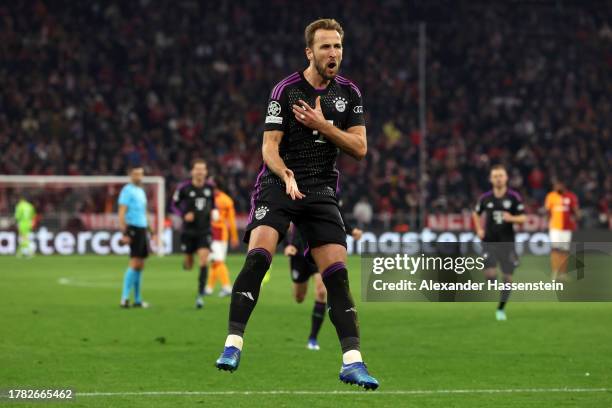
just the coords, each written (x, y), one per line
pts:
(92, 88)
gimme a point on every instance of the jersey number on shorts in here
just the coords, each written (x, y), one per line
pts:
(321, 139)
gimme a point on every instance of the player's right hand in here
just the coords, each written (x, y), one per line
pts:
(189, 217)
(125, 239)
(290, 250)
(291, 187)
(480, 232)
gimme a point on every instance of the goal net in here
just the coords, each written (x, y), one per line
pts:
(76, 214)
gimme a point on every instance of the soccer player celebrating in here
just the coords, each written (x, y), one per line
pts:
(503, 208)
(562, 207)
(133, 223)
(25, 215)
(223, 228)
(194, 202)
(301, 268)
(311, 115)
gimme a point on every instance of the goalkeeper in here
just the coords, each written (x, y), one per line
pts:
(25, 215)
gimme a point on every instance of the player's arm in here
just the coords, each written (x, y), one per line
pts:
(352, 141)
(517, 214)
(476, 220)
(231, 223)
(271, 156)
(122, 223)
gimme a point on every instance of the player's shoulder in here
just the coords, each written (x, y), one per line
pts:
(348, 84)
(514, 194)
(185, 184)
(485, 196)
(283, 84)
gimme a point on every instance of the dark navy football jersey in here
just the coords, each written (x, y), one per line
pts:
(199, 200)
(496, 229)
(308, 154)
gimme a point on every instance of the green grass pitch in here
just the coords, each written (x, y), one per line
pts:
(74, 335)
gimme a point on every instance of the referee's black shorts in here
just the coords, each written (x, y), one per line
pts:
(317, 215)
(139, 242)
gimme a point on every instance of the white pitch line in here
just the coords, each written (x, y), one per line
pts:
(382, 392)
(84, 284)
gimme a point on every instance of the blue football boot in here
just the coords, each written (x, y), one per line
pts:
(357, 373)
(229, 359)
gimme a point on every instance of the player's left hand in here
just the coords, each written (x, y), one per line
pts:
(356, 234)
(507, 217)
(309, 117)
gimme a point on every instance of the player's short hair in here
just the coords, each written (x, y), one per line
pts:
(321, 24)
(219, 182)
(498, 167)
(133, 167)
(197, 161)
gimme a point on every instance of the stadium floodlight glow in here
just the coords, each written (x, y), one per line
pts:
(157, 182)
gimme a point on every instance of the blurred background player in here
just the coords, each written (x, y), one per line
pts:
(301, 268)
(25, 215)
(133, 223)
(194, 201)
(503, 208)
(223, 228)
(563, 211)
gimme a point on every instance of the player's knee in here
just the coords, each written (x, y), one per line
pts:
(299, 297)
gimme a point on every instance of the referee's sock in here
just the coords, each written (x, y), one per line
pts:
(342, 312)
(137, 280)
(246, 290)
(128, 282)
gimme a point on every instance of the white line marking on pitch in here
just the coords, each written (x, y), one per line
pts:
(383, 392)
(84, 284)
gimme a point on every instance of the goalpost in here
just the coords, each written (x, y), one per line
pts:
(156, 182)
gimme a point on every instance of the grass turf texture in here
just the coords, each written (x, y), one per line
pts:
(74, 335)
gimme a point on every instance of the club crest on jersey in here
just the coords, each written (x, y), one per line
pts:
(340, 103)
(261, 212)
(507, 204)
(207, 193)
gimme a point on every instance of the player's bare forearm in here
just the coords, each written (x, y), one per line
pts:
(275, 163)
(476, 221)
(122, 224)
(517, 219)
(353, 141)
(269, 151)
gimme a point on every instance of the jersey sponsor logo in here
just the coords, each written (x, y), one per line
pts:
(358, 109)
(274, 108)
(274, 119)
(507, 204)
(340, 104)
(261, 212)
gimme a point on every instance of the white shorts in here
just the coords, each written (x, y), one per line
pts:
(560, 239)
(218, 250)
